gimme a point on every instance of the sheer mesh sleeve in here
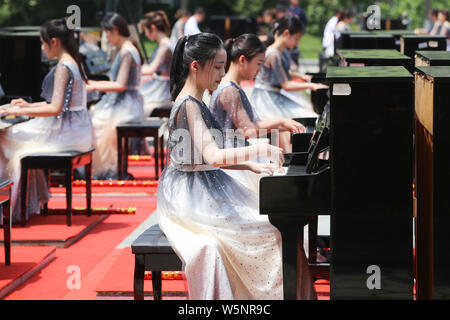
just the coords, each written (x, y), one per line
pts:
(279, 75)
(194, 136)
(231, 102)
(126, 61)
(63, 85)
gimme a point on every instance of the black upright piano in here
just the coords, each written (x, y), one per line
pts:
(372, 41)
(344, 41)
(432, 142)
(409, 44)
(432, 58)
(380, 57)
(365, 185)
(22, 63)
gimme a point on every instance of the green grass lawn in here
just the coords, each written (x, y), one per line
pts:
(309, 46)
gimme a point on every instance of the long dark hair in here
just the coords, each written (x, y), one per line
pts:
(113, 21)
(201, 47)
(159, 19)
(57, 28)
(288, 22)
(247, 45)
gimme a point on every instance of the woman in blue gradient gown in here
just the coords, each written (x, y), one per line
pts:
(228, 250)
(232, 109)
(61, 123)
(274, 77)
(122, 102)
(156, 91)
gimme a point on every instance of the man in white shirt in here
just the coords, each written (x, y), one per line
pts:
(328, 34)
(191, 26)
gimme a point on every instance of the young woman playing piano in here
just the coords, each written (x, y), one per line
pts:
(122, 102)
(230, 106)
(156, 91)
(267, 98)
(61, 122)
(228, 250)
(229, 103)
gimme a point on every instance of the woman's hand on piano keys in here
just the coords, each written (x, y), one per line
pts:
(20, 103)
(292, 126)
(16, 108)
(264, 168)
(271, 152)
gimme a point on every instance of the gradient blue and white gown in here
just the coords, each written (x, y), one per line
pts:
(156, 91)
(116, 108)
(228, 251)
(230, 106)
(71, 130)
(301, 97)
(267, 99)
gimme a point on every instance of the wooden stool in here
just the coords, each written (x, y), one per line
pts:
(147, 128)
(152, 253)
(5, 201)
(65, 161)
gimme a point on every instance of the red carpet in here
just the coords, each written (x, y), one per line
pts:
(112, 285)
(24, 262)
(52, 230)
(93, 254)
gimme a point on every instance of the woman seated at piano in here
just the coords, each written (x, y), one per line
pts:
(156, 90)
(122, 102)
(232, 109)
(228, 250)
(267, 98)
(60, 123)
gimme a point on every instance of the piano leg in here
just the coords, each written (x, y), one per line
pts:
(297, 279)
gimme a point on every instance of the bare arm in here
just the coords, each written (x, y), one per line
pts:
(150, 69)
(43, 109)
(121, 83)
(204, 142)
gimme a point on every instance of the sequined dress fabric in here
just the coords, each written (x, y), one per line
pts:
(232, 109)
(117, 108)
(228, 250)
(71, 130)
(267, 99)
(157, 89)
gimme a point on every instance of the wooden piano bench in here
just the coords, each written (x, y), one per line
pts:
(152, 253)
(66, 162)
(148, 128)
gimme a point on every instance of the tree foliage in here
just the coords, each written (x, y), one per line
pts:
(34, 12)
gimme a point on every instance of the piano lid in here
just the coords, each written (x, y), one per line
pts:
(437, 73)
(434, 55)
(368, 74)
(372, 54)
